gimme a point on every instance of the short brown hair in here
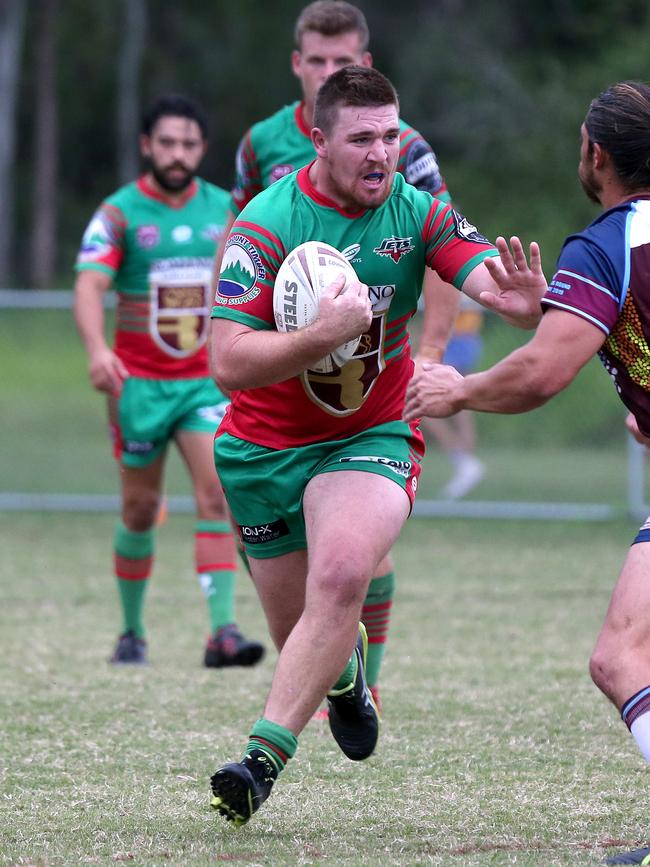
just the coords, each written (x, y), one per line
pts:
(332, 18)
(619, 121)
(352, 85)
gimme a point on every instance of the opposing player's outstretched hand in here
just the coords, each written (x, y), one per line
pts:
(433, 391)
(520, 286)
(344, 311)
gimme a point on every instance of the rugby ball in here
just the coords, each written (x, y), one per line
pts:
(306, 272)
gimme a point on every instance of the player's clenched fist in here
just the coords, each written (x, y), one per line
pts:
(344, 312)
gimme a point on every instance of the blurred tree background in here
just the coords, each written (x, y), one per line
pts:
(499, 87)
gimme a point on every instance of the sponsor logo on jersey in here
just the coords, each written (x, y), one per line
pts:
(421, 167)
(241, 268)
(464, 229)
(258, 534)
(400, 468)
(98, 239)
(147, 236)
(557, 286)
(212, 232)
(351, 252)
(280, 171)
(182, 234)
(381, 296)
(395, 247)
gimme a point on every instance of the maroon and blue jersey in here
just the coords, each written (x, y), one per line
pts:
(603, 275)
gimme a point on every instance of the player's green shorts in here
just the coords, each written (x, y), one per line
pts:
(150, 411)
(264, 487)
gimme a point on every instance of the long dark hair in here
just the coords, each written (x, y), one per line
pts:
(619, 121)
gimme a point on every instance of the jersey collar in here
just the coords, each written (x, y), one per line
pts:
(300, 120)
(306, 186)
(147, 189)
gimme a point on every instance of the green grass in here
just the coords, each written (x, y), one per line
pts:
(495, 746)
(55, 436)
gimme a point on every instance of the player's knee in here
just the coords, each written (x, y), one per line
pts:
(139, 512)
(211, 504)
(340, 584)
(607, 668)
(598, 669)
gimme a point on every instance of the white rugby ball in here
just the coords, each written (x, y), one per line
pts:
(306, 272)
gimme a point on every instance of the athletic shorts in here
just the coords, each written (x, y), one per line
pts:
(150, 411)
(463, 352)
(264, 487)
(644, 533)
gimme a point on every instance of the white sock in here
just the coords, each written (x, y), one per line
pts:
(640, 729)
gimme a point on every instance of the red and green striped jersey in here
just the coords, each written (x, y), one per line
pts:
(281, 144)
(388, 248)
(160, 257)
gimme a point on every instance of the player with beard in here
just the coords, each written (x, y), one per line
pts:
(319, 470)
(154, 240)
(598, 302)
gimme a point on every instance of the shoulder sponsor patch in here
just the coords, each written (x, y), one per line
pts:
(99, 238)
(464, 229)
(241, 268)
(421, 167)
(280, 171)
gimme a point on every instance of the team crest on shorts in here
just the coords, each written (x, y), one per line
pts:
(241, 268)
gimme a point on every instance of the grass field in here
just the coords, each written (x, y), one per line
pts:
(55, 438)
(495, 747)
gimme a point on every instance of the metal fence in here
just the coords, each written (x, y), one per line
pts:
(636, 505)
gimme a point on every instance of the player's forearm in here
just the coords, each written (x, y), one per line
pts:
(254, 359)
(441, 302)
(88, 308)
(519, 383)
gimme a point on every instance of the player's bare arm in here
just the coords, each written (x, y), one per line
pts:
(524, 380)
(509, 285)
(242, 357)
(441, 302)
(106, 371)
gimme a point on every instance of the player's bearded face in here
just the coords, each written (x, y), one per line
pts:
(174, 151)
(361, 154)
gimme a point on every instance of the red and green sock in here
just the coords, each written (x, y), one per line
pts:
(375, 616)
(215, 558)
(133, 561)
(276, 742)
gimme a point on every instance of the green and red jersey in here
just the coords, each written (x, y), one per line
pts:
(388, 247)
(160, 257)
(281, 144)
